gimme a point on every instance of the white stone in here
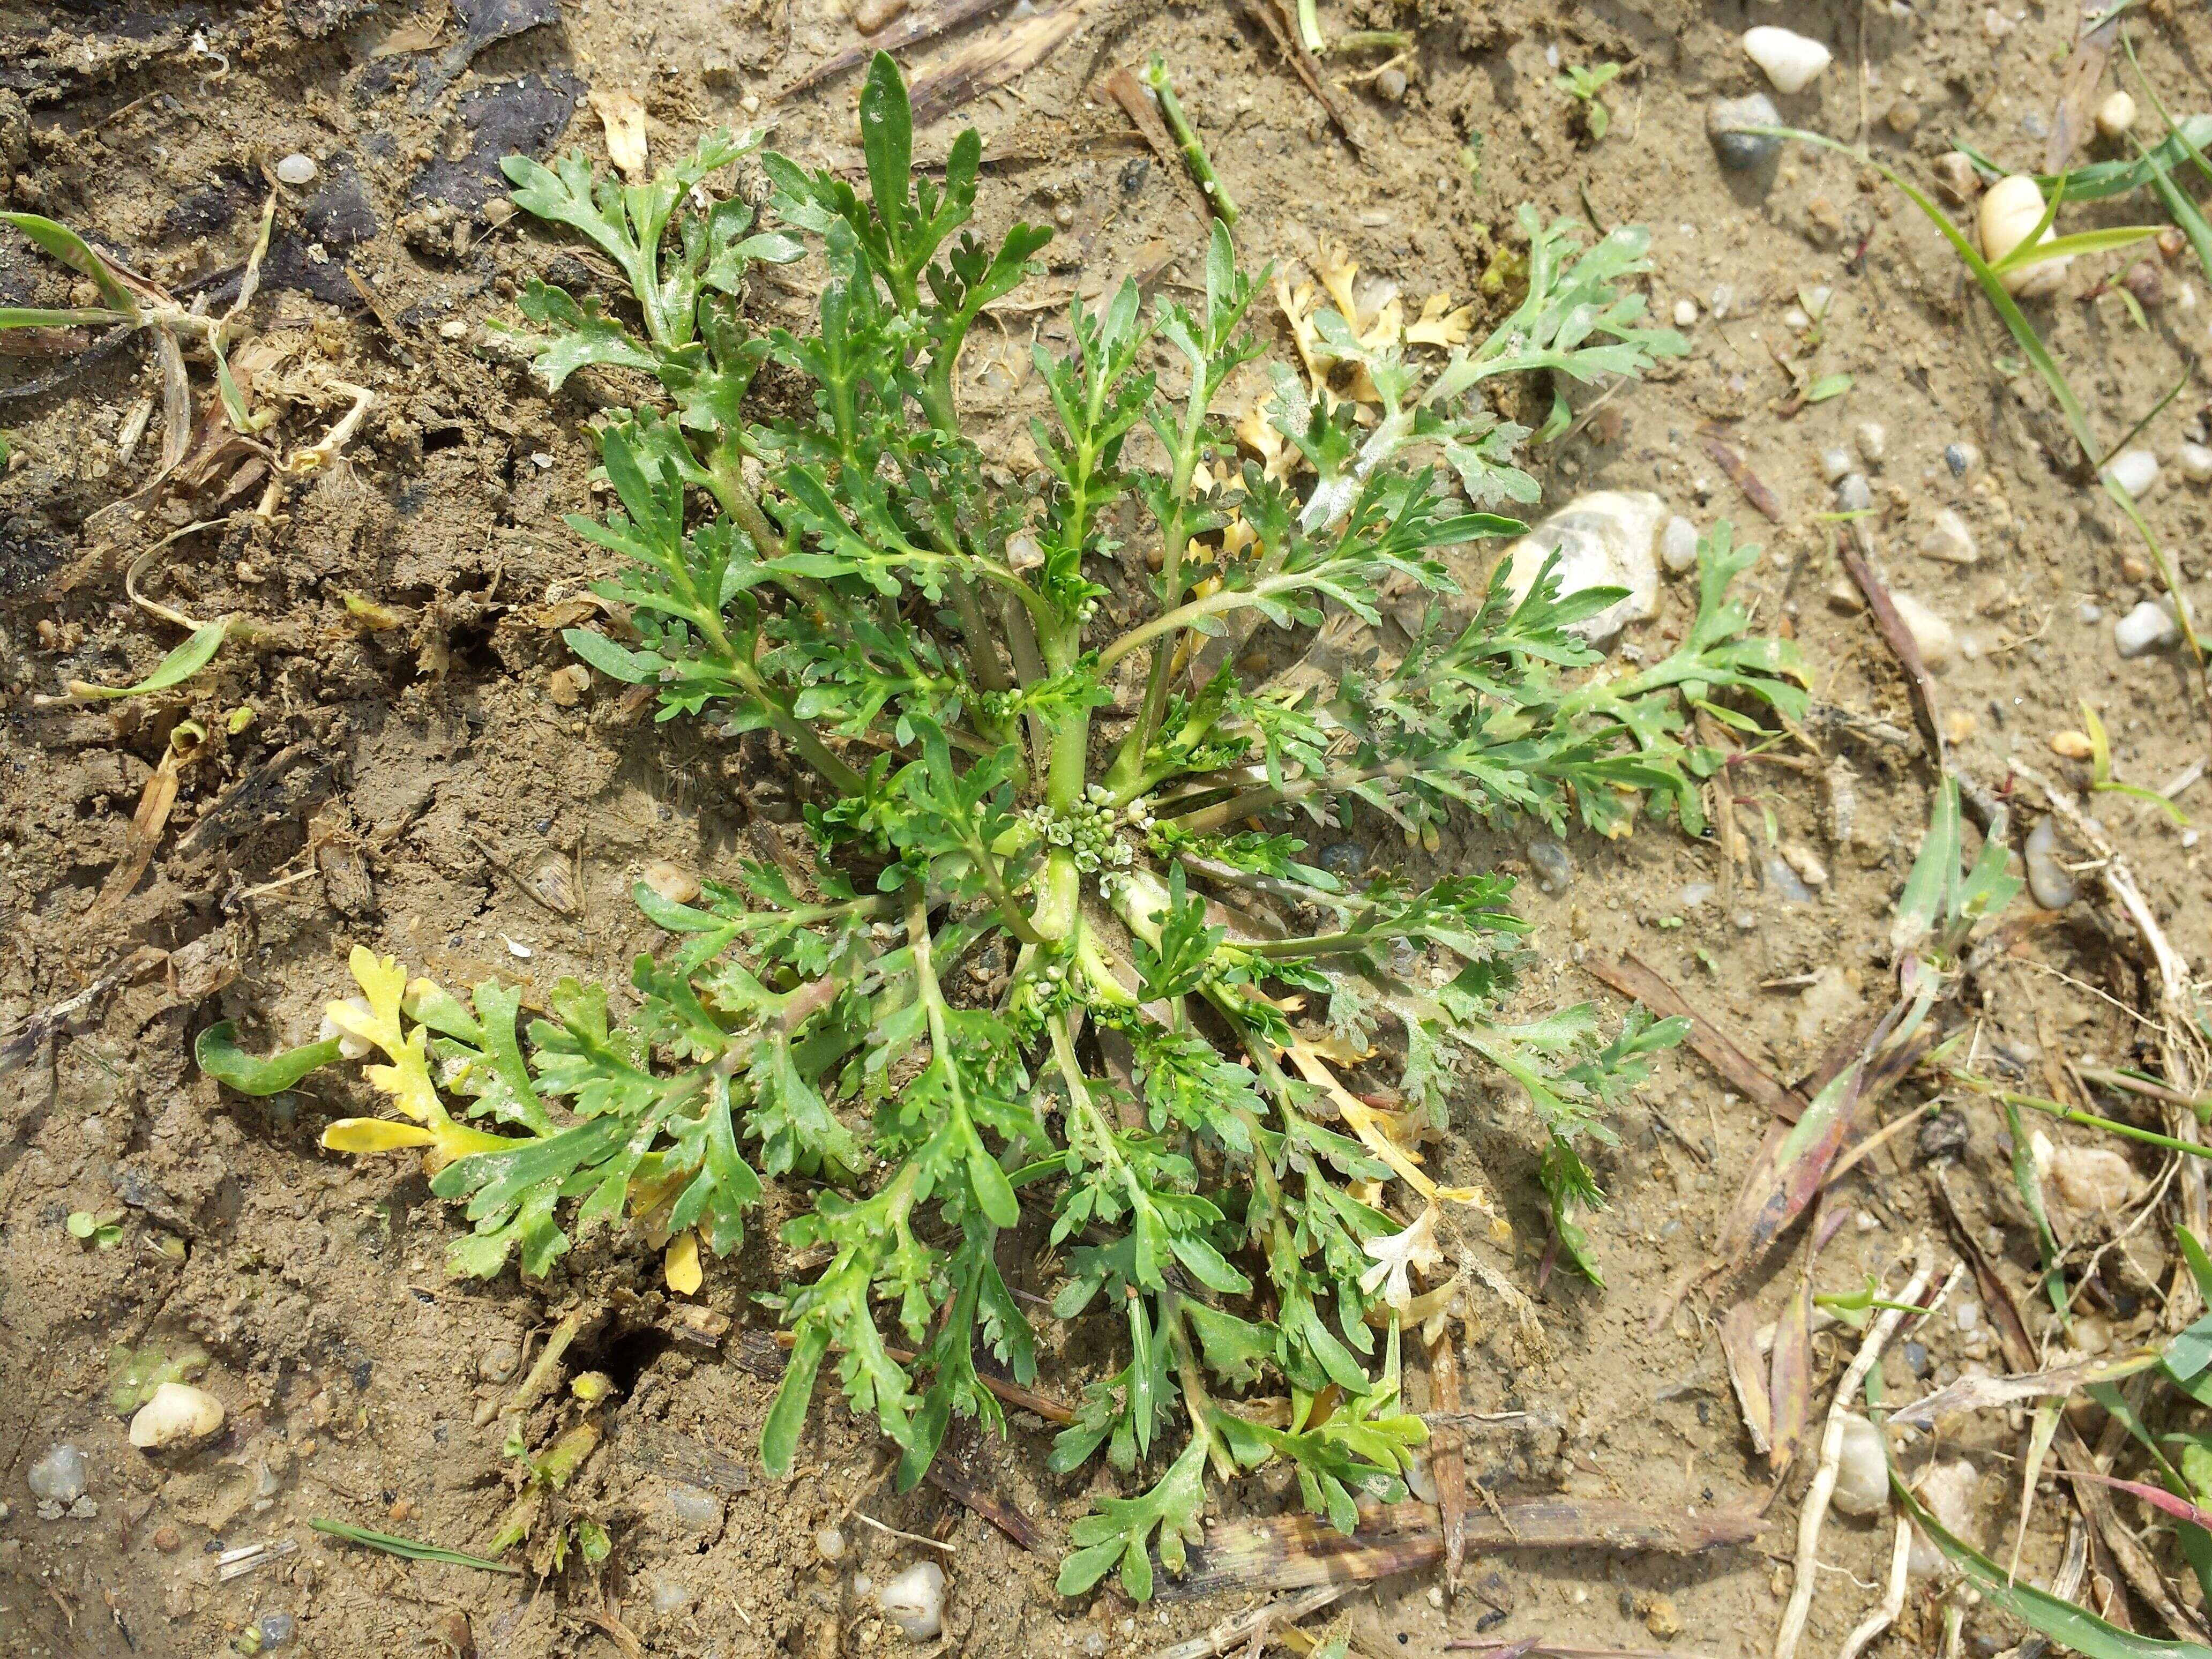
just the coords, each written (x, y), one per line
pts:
(2010, 212)
(915, 1600)
(1950, 540)
(1862, 1471)
(1790, 59)
(1938, 643)
(2194, 461)
(2134, 470)
(177, 1417)
(296, 169)
(1873, 440)
(2092, 1180)
(1607, 538)
(1834, 463)
(2149, 627)
(57, 1477)
(1685, 313)
(2115, 115)
(1678, 545)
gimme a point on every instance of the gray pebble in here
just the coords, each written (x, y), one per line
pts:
(59, 1477)
(2049, 882)
(1958, 458)
(1742, 152)
(1343, 859)
(1855, 494)
(1554, 869)
(1835, 464)
(1786, 883)
(692, 1506)
(275, 1629)
(1917, 1360)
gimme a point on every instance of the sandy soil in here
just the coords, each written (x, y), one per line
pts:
(408, 786)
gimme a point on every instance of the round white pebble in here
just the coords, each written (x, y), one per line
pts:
(2196, 463)
(296, 169)
(2134, 470)
(1685, 313)
(1678, 545)
(1790, 60)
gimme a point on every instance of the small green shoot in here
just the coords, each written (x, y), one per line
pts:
(1154, 75)
(104, 1230)
(1585, 84)
(2101, 771)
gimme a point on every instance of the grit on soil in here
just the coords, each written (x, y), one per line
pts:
(399, 757)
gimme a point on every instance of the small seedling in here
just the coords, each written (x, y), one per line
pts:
(1061, 947)
(104, 1230)
(1585, 84)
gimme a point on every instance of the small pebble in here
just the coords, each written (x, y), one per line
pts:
(1855, 494)
(1789, 59)
(1784, 881)
(1904, 115)
(1863, 1470)
(1797, 318)
(165, 1539)
(2115, 115)
(1917, 1360)
(1685, 313)
(915, 1600)
(1959, 457)
(275, 1629)
(1835, 463)
(1872, 441)
(1806, 862)
(2149, 627)
(1391, 84)
(1957, 176)
(178, 1417)
(670, 1596)
(1696, 893)
(1950, 541)
(1934, 636)
(2049, 881)
(1742, 152)
(692, 1506)
(2194, 461)
(296, 169)
(2134, 470)
(1678, 545)
(1966, 1315)
(59, 1477)
(672, 882)
(1554, 869)
(1343, 859)
(498, 1362)
(1720, 299)
(830, 1544)
(871, 16)
(2090, 613)
(2092, 1180)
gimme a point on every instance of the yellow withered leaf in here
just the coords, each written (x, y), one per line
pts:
(375, 1134)
(680, 1265)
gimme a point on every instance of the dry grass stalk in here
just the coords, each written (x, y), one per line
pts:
(1814, 1512)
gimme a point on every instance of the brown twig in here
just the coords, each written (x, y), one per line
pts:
(1635, 979)
(1898, 638)
(1753, 487)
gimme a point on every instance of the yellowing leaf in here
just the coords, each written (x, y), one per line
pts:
(1440, 325)
(680, 1266)
(1336, 268)
(375, 1134)
(1366, 1123)
(623, 117)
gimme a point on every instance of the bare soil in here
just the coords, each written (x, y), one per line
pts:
(409, 779)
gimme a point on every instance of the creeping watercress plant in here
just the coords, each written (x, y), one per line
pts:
(1046, 957)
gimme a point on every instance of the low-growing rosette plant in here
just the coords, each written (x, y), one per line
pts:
(1059, 949)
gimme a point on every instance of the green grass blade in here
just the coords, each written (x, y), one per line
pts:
(73, 251)
(59, 316)
(218, 1054)
(180, 666)
(413, 1549)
